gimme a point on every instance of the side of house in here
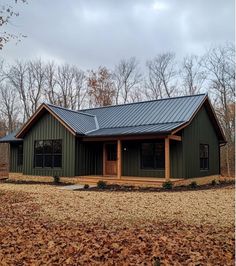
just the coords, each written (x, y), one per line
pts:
(50, 147)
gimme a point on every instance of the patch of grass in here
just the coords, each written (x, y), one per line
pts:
(101, 184)
(167, 185)
(193, 184)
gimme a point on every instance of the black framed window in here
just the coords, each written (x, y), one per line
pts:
(48, 153)
(153, 155)
(20, 155)
(204, 157)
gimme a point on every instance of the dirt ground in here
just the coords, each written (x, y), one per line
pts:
(44, 225)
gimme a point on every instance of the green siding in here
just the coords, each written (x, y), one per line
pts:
(14, 167)
(200, 131)
(176, 159)
(89, 158)
(131, 161)
(47, 127)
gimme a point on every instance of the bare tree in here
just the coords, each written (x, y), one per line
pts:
(101, 89)
(36, 78)
(80, 87)
(162, 75)
(9, 108)
(17, 78)
(50, 89)
(7, 13)
(137, 95)
(65, 79)
(153, 88)
(193, 75)
(126, 78)
(219, 62)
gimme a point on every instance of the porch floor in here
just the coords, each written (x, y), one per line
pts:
(126, 180)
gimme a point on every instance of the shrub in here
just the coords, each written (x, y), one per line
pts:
(167, 185)
(86, 186)
(101, 184)
(56, 179)
(213, 182)
(156, 261)
(193, 184)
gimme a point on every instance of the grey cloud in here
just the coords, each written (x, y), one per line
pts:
(90, 33)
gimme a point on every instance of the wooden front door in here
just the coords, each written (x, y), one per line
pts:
(110, 158)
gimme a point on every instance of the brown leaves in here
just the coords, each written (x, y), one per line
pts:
(29, 238)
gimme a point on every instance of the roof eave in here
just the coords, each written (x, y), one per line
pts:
(34, 117)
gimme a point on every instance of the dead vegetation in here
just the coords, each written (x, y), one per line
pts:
(41, 224)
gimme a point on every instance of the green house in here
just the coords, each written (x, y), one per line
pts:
(173, 138)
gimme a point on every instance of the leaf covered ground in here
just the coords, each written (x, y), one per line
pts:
(43, 225)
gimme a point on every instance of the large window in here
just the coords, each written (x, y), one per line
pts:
(48, 153)
(20, 155)
(153, 155)
(204, 156)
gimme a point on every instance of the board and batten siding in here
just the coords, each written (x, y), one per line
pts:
(131, 160)
(89, 158)
(47, 128)
(14, 167)
(200, 131)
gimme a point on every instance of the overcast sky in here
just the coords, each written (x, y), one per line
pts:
(90, 33)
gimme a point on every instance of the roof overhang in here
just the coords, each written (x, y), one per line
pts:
(211, 112)
(43, 108)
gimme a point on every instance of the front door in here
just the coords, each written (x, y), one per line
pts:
(110, 159)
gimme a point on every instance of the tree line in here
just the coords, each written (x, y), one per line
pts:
(24, 85)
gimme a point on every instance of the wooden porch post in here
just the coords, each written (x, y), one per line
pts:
(167, 158)
(119, 166)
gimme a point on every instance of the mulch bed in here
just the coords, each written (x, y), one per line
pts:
(31, 182)
(121, 188)
(124, 188)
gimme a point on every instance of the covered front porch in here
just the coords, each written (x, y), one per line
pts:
(121, 162)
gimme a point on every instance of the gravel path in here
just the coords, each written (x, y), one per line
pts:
(210, 207)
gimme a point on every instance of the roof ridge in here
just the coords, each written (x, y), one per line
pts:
(67, 109)
(148, 101)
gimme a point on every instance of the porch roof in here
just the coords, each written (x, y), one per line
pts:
(10, 138)
(163, 128)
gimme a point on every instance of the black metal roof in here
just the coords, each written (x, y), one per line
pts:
(78, 121)
(143, 129)
(10, 138)
(162, 111)
(157, 116)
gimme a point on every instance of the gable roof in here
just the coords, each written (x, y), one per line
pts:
(80, 122)
(162, 116)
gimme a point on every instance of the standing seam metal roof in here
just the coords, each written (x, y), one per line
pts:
(157, 116)
(171, 110)
(78, 121)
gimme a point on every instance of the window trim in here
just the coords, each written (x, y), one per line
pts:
(46, 154)
(208, 158)
(141, 159)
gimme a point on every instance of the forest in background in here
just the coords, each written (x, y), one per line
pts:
(24, 85)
